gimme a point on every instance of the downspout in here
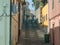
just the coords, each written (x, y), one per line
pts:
(48, 31)
(10, 20)
(19, 20)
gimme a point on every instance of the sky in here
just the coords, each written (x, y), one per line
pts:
(30, 6)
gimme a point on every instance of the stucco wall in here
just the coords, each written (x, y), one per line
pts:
(44, 13)
(54, 15)
(4, 23)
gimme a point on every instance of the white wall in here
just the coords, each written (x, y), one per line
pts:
(38, 14)
(4, 23)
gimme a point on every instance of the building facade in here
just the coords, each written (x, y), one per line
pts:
(10, 21)
(37, 13)
(16, 21)
(54, 14)
(4, 22)
(45, 17)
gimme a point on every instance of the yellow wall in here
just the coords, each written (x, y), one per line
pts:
(44, 13)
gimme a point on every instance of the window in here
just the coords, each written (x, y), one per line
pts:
(45, 1)
(43, 19)
(13, 1)
(37, 4)
(14, 8)
(52, 4)
(59, 1)
(46, 17)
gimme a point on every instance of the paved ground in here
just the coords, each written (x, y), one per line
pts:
(33, 37)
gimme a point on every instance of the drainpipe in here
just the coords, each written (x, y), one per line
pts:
(10, 20)
(48, 21)
(19, 20)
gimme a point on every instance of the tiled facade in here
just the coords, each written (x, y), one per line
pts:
(54, 14)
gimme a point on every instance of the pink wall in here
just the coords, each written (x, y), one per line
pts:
(54, 15)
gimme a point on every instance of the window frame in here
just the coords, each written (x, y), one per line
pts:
(46, 17)
(14, 7)
(52, 4)
(59, 1)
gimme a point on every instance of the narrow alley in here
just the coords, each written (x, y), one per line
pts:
(33, 37)
(29, 22)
